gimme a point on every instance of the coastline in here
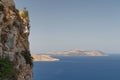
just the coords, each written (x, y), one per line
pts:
(41, 57)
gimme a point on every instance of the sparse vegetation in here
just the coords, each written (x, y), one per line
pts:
(6, 68)
(28, 58)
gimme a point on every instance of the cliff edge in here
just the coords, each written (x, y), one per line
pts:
(15, 57)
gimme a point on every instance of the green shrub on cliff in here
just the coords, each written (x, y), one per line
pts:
(6, 68)
(27, 57)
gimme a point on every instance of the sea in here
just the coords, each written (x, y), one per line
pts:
(79, 68)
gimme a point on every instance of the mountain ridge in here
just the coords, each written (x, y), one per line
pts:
(78, 53)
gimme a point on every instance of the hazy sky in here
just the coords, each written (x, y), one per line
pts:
(58, 25)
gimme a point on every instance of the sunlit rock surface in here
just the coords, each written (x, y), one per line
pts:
(14, 44)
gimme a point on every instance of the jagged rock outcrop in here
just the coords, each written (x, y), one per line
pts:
(14, 44)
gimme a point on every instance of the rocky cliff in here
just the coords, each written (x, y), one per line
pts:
(15, 57)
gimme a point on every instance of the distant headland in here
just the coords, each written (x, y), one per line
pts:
(48, 56)
(41, 57)
(78, 53)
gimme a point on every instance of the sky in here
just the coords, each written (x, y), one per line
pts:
(60, 25)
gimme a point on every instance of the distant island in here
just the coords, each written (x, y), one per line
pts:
(41, 57)
(78, 53)
(48, 56)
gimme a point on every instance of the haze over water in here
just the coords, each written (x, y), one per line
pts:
(59, 25)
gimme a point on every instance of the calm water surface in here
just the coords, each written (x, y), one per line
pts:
(79, 68)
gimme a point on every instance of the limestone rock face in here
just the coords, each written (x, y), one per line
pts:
(8, 2)
(14, 44)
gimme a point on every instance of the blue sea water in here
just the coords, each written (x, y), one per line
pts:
(79, 68)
